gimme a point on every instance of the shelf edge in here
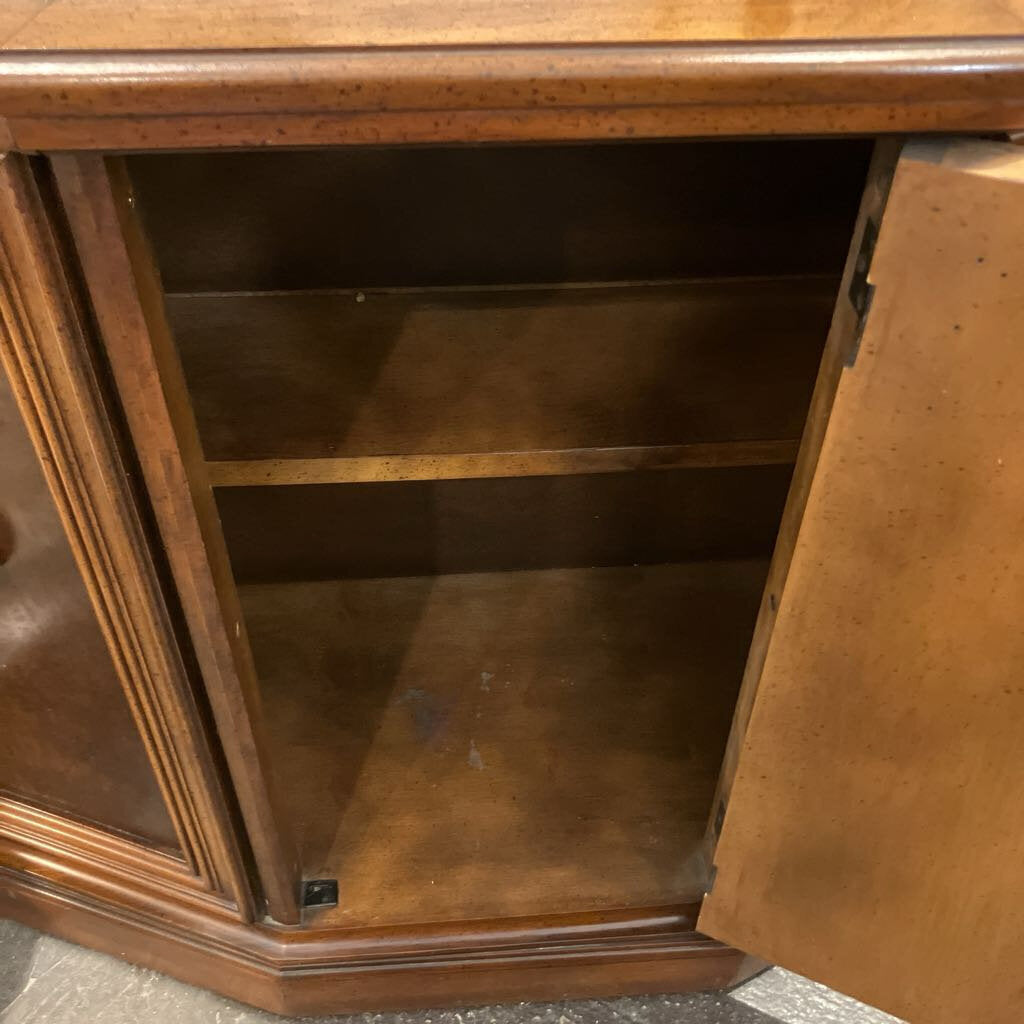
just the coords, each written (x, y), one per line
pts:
(476, 465)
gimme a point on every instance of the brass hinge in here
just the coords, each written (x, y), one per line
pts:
(861, 290)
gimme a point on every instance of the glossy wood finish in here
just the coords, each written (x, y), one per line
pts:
(92, 888)
(195, 74)
(855, 83)
(500, 744)
(465, 964)
(198, 24)
(47, 352)
(849, 80)
(890, 702)
(108, 872)
(106, 890)
(125, 296)
(58, 685)
(447, 373)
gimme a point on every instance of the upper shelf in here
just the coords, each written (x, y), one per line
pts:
(350, 377)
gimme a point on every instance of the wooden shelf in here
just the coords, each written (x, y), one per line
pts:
(500, 744)
(380, 468)
(558, 377)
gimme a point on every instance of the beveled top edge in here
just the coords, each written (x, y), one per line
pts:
(309, 80)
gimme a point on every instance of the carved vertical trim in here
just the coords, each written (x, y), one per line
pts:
(126, 296)
(45, 350)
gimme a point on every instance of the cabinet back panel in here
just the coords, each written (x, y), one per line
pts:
(370, 217)
(69, 744)
(321, 375)
(414, 528)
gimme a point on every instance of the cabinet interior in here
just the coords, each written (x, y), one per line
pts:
(501, 438)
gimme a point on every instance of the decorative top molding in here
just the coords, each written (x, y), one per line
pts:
(178, 83)
(158, 99)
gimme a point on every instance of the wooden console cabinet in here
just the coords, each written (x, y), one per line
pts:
(501, 503)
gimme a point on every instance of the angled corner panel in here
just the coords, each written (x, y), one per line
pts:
(45, 351)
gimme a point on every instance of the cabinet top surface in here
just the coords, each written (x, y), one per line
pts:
(117, 25)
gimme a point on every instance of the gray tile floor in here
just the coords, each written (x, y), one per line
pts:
(47, 981)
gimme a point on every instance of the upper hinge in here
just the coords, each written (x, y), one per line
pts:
(861, 290)
(719, 818)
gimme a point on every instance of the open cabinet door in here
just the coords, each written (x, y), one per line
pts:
(874, 834)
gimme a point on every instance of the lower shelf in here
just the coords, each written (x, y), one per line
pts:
(499, 744)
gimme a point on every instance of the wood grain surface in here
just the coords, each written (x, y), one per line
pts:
(502, 744)
(873, 840)
(546, 462)
(244, 24)
(16, 14)
(420, 527)
(443, 216)
(62, 392)
(124, 290)
(69, 742)
(306, 972)
(640, 87)
(431, 373)
(843, 338)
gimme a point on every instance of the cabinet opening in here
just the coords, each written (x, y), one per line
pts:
(500, 438)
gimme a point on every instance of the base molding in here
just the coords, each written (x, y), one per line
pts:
(308, 971)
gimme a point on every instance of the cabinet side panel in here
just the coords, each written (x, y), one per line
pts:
(875, 833)
(70, 744)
